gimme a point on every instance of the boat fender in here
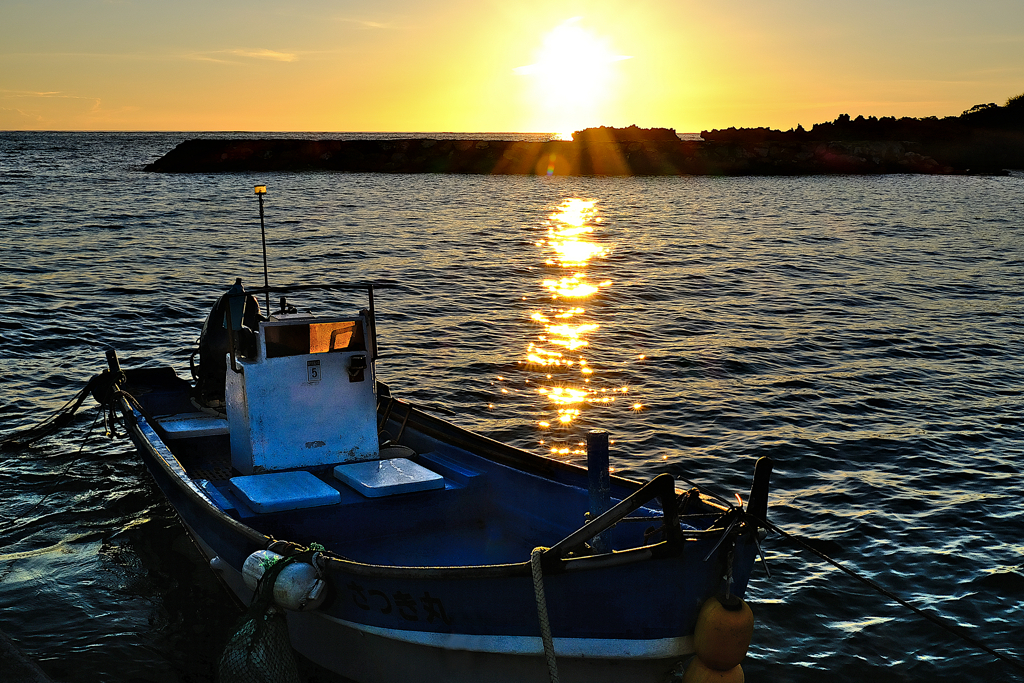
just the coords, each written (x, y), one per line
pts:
(298, 587)
(699, 672)
(722, 635)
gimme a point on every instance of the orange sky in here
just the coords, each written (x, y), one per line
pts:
(482, 65)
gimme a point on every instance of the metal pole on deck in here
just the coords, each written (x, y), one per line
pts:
(373, 326)
(260, 191)
(598, 482)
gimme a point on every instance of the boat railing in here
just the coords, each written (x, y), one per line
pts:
(661, 487)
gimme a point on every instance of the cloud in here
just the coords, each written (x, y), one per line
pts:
(224, 56)
(273, 55)
(8, 94)
(365, 23)
(13, 119)
(50, 110)
(46, 95)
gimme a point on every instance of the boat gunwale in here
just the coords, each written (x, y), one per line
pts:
(133, 419)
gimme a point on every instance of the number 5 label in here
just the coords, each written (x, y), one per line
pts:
(312, 371)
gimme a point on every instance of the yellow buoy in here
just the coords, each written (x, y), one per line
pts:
(723, 631)
(699, 672)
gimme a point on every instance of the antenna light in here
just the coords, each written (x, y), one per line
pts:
(260, 191)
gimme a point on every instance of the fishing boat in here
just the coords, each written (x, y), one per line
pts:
(420, 551)
(387, 544)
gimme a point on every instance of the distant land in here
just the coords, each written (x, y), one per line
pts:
(985, 139)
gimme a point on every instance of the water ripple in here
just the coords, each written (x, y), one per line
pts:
(862, 331)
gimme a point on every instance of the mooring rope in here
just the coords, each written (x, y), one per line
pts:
(542, 612)
(100, 386)
(54, 423)
(934, 618)
(60, 477)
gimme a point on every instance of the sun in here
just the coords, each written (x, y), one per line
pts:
(573, 76)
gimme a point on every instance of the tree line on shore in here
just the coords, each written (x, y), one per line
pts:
(991, 116)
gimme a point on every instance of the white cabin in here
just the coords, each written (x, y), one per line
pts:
(307, 399)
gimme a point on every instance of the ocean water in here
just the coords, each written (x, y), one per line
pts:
(865, 332)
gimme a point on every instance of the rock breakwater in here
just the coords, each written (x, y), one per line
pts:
(586, 157)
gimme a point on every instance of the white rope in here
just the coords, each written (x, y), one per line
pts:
(542, 613)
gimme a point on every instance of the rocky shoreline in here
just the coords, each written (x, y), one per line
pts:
(587, 157)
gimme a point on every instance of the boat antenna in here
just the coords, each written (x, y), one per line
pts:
(260, 191)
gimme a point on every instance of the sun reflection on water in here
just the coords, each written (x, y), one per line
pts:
(562, 327)
(566, 349)
(571, 287)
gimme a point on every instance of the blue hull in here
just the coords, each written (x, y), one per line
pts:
(436, 585)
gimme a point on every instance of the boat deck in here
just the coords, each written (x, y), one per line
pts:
(487, 513)
(475, 519)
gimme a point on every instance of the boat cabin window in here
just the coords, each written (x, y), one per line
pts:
(298, 339)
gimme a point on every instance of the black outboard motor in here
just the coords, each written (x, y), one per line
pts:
(214, 343)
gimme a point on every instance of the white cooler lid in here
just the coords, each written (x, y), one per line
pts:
(376, 478)
(279, 491)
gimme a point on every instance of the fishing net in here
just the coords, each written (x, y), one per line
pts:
(260, 650)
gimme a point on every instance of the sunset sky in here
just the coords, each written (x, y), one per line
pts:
(484, 65)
